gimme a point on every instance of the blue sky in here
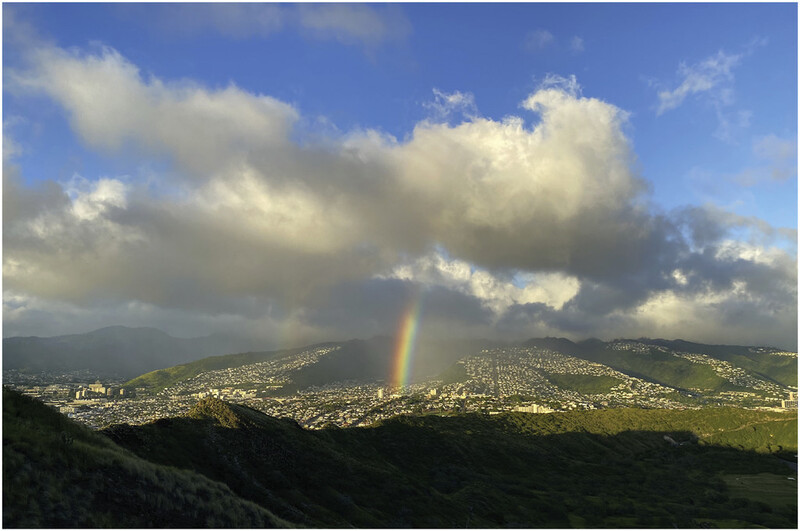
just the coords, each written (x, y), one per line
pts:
(704, 105)
(626, 51)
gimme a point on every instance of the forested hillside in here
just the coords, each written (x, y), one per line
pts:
(226, 465)
(608, 468)
(57, 473)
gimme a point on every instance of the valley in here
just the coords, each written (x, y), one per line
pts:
(348, 384)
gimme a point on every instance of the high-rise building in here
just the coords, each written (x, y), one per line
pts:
(791, 403)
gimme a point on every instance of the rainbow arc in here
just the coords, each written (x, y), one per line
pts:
(406, 342)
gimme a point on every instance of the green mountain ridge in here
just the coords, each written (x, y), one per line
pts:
(227, 465)
(691, 369)
(57, 473)
(598, 468)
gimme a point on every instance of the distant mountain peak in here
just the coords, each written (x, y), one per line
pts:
(120, 329)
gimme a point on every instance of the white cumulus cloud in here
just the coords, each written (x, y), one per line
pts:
(543, 227)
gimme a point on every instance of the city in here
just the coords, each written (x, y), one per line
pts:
(497, 380)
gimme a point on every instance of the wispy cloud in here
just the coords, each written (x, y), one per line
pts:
(780, 158)
(537, 40)
(238, 21)
(712, 81)
(446, 106)
(353, 23)
(712, 76)
(360, 24)
(11, 148)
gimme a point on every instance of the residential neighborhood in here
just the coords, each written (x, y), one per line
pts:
(530, 379)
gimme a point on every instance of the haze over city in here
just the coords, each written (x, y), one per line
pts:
(301, 173)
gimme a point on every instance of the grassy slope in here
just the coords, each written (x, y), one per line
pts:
(57, 473)
(782, 369)
(158, 380)
(602, 468)
(584, 383)
(369, 360)
(660, 367)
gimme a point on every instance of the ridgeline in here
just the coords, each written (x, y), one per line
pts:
(59, 474)
(717, 467)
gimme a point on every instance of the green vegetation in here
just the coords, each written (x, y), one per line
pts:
(661, 367)
(782, 369)
(57, 473)
(584, 383)
(605, 468)
(227, 465)
(370, 361)
(456, 373)
(157, 380)
(775, 490)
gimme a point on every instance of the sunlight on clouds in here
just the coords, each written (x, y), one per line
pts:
(739, 250)
(553, 289)
(288, 215)
(727, 317)
(110, 104)
(549, 222)
(91, 199)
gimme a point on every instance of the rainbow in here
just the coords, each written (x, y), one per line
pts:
(406, 336)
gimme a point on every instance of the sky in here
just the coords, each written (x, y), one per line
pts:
(306, 172)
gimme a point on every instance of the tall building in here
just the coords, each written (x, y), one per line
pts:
(791, 403)
(97, 387)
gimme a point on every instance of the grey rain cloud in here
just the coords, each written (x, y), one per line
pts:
(509, 229)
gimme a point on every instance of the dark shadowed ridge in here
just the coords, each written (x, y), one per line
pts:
(60, 474)
(226, 465)
(236, 416)
(612, 468)
(559, 344)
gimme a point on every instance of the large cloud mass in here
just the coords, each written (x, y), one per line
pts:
(509, 228)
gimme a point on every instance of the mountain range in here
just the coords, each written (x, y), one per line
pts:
(155, 361)
(117, 351)
(681, 365)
